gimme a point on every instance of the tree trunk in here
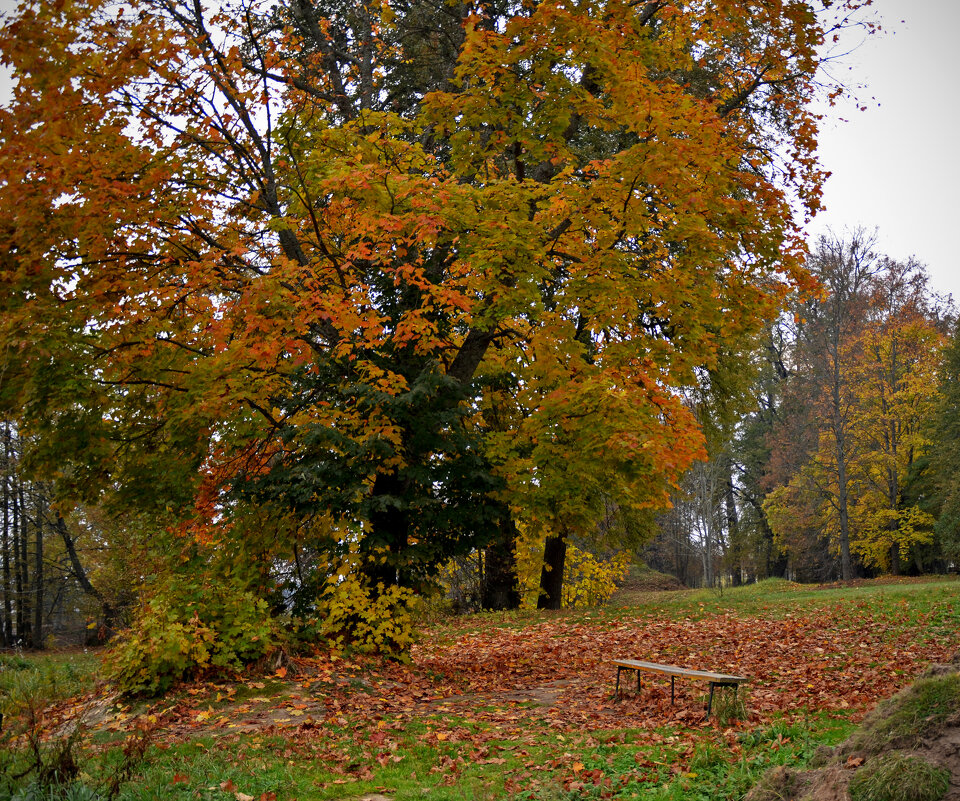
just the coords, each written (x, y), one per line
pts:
(38, 574)
(499, 588)
(733, 529)
(846, 564)
(389, 526)
(551, 577)
(18, 568)
(7, 626)
(25, 599)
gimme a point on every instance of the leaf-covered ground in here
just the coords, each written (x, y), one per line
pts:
(509, 704)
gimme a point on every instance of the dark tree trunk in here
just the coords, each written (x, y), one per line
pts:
(551, 577)
(499, 586)
(27, 635)
(38, 574)
(733, 529)
(7, 627)
(18, 567)
(389, 531)
(108, 611)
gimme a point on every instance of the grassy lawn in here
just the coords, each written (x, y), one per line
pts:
(508, 705)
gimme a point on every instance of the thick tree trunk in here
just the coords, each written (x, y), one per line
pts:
(499, 588)
(551, 577)
(107, 610)
(389, 532)
(846, 563)
(895, 559)
(25, 597)
(18, 568)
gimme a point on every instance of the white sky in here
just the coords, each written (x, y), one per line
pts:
(896, 166)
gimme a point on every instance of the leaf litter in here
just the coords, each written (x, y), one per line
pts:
(481, 695)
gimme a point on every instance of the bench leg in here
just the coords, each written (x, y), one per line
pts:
(616, 692)
(710, 702)
(671, 688)
(638, 681)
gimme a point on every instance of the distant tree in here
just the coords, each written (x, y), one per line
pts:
(945, 449)
(827, 351)
(863, 393)
(895, 382)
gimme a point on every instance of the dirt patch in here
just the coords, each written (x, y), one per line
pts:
(908, 724)
(545, 695)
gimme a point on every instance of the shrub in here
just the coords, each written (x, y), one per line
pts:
(187, 629)
(370, 619)
(588, 579)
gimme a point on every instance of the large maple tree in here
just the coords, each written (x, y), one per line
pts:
(272, 252)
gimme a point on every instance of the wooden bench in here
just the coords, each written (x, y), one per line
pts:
(715, 679)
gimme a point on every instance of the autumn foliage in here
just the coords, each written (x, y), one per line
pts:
(400, 272)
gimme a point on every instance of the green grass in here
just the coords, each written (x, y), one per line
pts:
(917, 712)
(42, 679)
(783, 597)
(930, 606)
(899, 777)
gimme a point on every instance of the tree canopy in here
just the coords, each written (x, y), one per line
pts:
(293, 254)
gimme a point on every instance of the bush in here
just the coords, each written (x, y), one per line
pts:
(369, 619)
(188, 629)
(588, 579)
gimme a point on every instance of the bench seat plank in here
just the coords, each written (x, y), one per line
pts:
(672, 670)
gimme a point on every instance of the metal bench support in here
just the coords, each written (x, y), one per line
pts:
(713, 684)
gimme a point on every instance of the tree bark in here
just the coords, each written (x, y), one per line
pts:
(38, 573)
(733, 528)
(551, 576)
(499, 588)
(27, 635)
(17, 568)
(7, 627)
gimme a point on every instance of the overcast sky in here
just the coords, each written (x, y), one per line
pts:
(895, 166)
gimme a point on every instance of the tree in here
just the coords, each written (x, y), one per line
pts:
(263, 253)
(944, 451)
(876, 338)
(828, 351)
(895, 383)
(758, 459)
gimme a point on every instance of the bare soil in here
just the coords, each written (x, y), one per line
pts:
(940, 747)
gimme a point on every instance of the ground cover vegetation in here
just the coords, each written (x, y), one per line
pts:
(515, 705)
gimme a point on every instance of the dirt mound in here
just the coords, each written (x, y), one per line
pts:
(908, 749)
(647, 580)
